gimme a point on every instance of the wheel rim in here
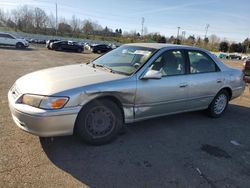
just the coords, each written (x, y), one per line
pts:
(100, 121)
(220, 104)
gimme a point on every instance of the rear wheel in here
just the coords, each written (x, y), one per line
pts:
(219, 104)
(99, 122)
(99, 51)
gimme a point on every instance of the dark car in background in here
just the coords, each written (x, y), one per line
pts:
(101, 48)
(48, 42)
(234, 56)
(66, 46)
(246, 70)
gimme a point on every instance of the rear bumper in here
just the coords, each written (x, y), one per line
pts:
(46, 123)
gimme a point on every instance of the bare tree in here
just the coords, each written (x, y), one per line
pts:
(24, 18)
(214, 39)
(87, 28)
(97, 26)
(1, 15)
(75, 24)
(40, 19)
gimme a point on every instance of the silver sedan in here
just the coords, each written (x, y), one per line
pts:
(131, 83)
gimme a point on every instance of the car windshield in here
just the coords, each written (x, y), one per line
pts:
(125, 59)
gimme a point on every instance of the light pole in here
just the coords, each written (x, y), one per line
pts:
(56, 18)
(178, 29)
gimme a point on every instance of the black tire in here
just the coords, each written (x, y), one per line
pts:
(19, 45)
(59, 48)
(219, 104)
(99, 122)
(79, 50)
(99, 51)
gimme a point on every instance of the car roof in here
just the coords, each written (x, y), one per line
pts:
(5, 33)
(161, 45)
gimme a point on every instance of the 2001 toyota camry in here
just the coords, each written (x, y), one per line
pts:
(131, 83)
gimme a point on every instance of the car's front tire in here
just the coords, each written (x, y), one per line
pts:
(99, 122)
(219, 104)
(59, 48)
(19, 45)
(79, 50)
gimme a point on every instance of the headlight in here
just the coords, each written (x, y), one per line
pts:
(44, 102)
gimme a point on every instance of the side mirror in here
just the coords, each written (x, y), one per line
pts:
(152, 74)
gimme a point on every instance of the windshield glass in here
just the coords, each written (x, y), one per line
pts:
(125, 59)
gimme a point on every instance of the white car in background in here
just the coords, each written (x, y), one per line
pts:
(7, 39)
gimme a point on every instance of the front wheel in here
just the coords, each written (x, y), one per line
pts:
(19, 45)
(79, 50)
(99, 122)
(219, 104)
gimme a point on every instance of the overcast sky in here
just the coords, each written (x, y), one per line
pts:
(227, 19)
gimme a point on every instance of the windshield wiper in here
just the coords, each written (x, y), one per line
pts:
(104, 67)
(109, 69)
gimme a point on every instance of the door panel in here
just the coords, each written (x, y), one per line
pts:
(203, 88)
(167, 95)
(204, 80)
(158, 97)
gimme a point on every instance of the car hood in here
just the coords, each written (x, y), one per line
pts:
(58, 79)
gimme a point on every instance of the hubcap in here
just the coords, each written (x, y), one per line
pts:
(220, 104)
(100, 121)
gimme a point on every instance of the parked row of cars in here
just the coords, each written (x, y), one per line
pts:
(64, 45)
(235, 56)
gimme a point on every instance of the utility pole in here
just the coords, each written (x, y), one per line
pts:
(56, 19)
(206, 30)
(142, 25)
(183, 33)
(178, 32)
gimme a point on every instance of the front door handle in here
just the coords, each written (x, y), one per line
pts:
(182, 85)
(219, 81)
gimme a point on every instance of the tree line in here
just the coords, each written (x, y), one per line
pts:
(36, 20)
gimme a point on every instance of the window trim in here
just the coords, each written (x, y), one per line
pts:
(217, 69)
(9, 36)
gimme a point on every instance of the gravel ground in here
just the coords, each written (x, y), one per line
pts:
(185, 150)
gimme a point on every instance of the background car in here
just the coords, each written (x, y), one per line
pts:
(234, 56)
(48, 42)
(246, 70)
(67, 46)
(10, 40)
(101, 48)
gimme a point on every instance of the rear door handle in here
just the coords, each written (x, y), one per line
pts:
(182, 85)
(219, 81)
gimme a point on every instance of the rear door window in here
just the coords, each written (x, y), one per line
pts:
(201, 63)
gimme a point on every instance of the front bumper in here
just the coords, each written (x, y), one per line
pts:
(44, 123)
